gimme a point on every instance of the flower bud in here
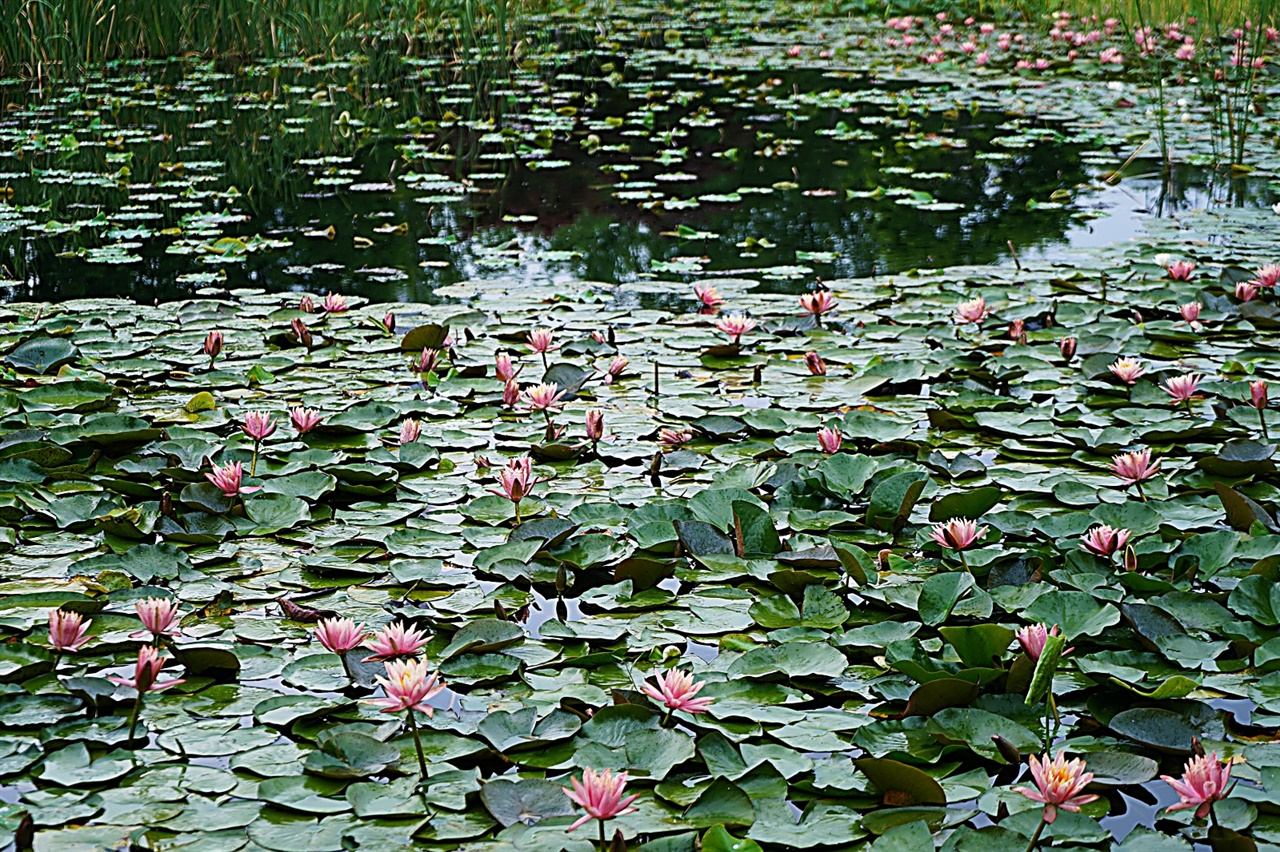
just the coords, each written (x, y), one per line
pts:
(817, 367)
(1067, 346)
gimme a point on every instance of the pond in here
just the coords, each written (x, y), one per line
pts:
(903, 402)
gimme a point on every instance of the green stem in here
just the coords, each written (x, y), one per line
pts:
(602, 846)
(517, 504)
(1262, 418)
(666, 720)
(253, 465)
(133, 717)
(1035, 838)
(1141, 493)
(964, 563)
(417, 744)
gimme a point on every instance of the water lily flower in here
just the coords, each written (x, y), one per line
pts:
(1204, 781)
(615, 369)
(672, 438)
(735, 326)
(707, 295)
(159, 617)
(1018, 330)
(408, 687)
(1104, 540)
(1059, 785)
(504, 368)
(957, 533)
(306, 305)
(541, 340)
(395, 640)
(1258, 394)
(1128, 370)
(830, 440)
(340, 635)
(410, 430)
(427, 361)
(333, 303)
(213, 346)
(1033, 638)
(302, 332)
(515, 481)
(973, 311)
(545, 398)
(259, 425)
(1067, 348)
(1180, 270)
(1191, 312)
(67, 631)
(601, 795)
(676, 690)
(304, 419)
(1182, 388)
(146, 671)
(1246, 291)
(818, 303)
(1268, 276)
(813, 361)
(389, 322)
(229, 480)
(595, 425)
(510, 394)
(1134, 468)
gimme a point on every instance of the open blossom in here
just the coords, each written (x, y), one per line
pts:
(145, 672)
(1033, 639)
(541, 340)
(1104, 541)
(395, 640)
(340, 635)
(676, 690)
(410, 430)
(213, 345)
(504, 368)
(974, 311)
(408, 687)
(159, 617)
(1191, 312)
(1268, 276)
(229, 480)
(1067, 348)
(816, 366)
(1247, 291)
(304, 419)
(601, 795)
(830, 440)
(516, 480)
(1182, 388)
(707, 295)
(595, 425)
(615, 369)
(1128, 370)
(957, 533)
(1204, 780)
(1059, 784)
(1133, 468)
(1258, 394)
(67, 630)
(427, 361)
(818, 302)
(259, 425)
(735, 326)
(545, 398)
(1180, 270)
(674, 437)
(333, 303)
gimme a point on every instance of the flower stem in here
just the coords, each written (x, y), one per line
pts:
(666, 720)
(417, 744)
(1141, 493)
(253, 465)
(1262, 417)
(517, 505)
(133, 717)
(1035, 838)
(964, 563)
(602, 846)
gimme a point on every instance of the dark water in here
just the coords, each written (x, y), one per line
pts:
(584, 174)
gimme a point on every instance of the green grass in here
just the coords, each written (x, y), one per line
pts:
(58, 39)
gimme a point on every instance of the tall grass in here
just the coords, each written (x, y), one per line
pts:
(45, 39)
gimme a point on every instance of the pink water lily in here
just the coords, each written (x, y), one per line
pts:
(306, 305)
(1059, 785)
(1067, 348)
(1180, 270)
(504, 368)
(1127, 370)
(515, 481)
(1033, 637)
(1268, 276)
(340, 635)
(672, 438)
(1135, 467)
(408, 686)
(229, 479)
(829, 440)
(1258, 394)
(302, 332)
(159, 617)
(303, 419)
(427, 361)
(1191, 312)
(389, 322)
(601, 795)
(213, 346)
(957, 533)
(67, 631)
(1104, 540)
(707, 295)
(677, 691)
(259, 425)
(541, 341)
(1247, 291)
(814, 363)
(510, 394)
(333, 303)
(615, 369)
(146, 672)
(1204, 780)
(545, 398)
(1182, 388)
(735, 326)
(395, 640)
(818, 302)
(595, 425)
(410, 430)
(973, 311)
